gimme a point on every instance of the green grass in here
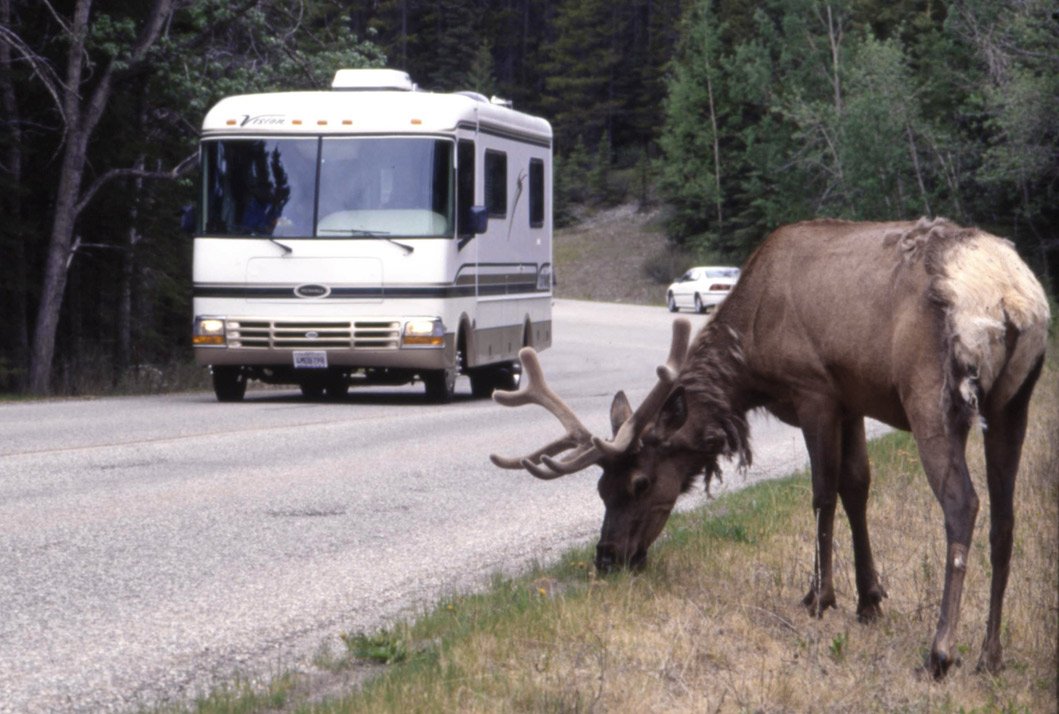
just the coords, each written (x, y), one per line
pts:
(715, 622)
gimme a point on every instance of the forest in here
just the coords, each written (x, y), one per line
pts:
(731, 117)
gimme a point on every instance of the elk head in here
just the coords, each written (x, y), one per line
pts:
(646, 465)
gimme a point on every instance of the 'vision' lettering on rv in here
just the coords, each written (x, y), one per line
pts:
(262, 120)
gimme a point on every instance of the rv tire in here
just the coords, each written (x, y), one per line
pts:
(229, 384)
(440, 385)
(484, 380)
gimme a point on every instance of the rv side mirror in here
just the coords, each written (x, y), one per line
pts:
(479, 219)
(188, 219)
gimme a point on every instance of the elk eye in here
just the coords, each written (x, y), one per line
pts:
(640, 486)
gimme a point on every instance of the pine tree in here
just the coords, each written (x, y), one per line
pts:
(579, 86)
(690, 171)
(481, 77)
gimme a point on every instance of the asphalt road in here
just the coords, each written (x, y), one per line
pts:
(154, 547)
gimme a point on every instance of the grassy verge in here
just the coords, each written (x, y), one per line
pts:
(715, 624)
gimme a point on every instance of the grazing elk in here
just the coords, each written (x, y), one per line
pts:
(922, 326)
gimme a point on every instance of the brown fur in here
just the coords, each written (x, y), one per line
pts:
(919, 325)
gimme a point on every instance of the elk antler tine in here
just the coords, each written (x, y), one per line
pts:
(545, 474)
(666, 373)
(532, 375)
(505, 462)
(556, 447)
(678, 348)
(655, 399)
(583, 457)
(535, 390)
(616, 446)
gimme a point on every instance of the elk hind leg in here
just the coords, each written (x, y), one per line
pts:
(941, 450)
(853, 485)
(1003, 449)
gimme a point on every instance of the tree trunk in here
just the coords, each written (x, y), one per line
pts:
(59, 242)
(128, 280)
(15, 283)
(716, 153)
(81, 119)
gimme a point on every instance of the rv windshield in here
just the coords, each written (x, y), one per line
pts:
(367, 187)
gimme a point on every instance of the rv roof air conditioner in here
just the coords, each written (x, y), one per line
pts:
(373, 80)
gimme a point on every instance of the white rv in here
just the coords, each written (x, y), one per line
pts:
(371, 234)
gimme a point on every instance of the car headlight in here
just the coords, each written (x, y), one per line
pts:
(424, 333)
(208, 332)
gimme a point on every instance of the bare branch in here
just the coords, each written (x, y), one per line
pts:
(40, 66)
(176, 172)
(56, 16)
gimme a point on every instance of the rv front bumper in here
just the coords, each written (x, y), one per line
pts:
(412, 343)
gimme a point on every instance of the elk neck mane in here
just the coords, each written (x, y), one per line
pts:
(712, 377)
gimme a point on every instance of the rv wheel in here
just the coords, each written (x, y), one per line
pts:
(485, 379)
(229, 384)
(440, 385)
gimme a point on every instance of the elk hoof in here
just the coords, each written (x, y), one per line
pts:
(938, 664)
(868, 612)
(991, 661)
(868, 609)
(818, 601)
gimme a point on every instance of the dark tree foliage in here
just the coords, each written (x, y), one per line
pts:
(101, 107)
(791, 109)
(745, 115)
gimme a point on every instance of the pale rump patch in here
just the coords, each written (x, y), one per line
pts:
(989, 290)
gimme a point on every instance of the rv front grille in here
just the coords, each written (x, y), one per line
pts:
(311, 335)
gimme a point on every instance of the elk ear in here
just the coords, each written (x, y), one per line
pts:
(620, 411)
(674, 412)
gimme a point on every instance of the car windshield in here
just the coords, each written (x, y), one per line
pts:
(328, 187)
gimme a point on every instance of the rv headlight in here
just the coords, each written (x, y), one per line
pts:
(424, 333)
(208, 332)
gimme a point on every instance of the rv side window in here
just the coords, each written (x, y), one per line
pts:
(496, 183)
(536, 196)
(465, 187)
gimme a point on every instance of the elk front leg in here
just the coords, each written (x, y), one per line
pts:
(821, 428)
(853, 485)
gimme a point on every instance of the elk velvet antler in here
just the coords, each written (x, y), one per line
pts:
(585, 448)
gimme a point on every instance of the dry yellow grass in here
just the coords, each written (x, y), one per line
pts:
(715, 623)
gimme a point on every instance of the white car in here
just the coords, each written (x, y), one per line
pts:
(701, 289)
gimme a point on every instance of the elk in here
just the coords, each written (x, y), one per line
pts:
(921, 325)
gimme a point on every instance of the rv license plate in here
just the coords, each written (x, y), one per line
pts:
(317, 359)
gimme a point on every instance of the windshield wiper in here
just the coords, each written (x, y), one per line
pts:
(383, 235)
(287, 250)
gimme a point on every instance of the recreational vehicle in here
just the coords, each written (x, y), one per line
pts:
(371, 234)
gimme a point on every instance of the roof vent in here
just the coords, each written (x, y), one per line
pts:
(499, 102)
(373, 80)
